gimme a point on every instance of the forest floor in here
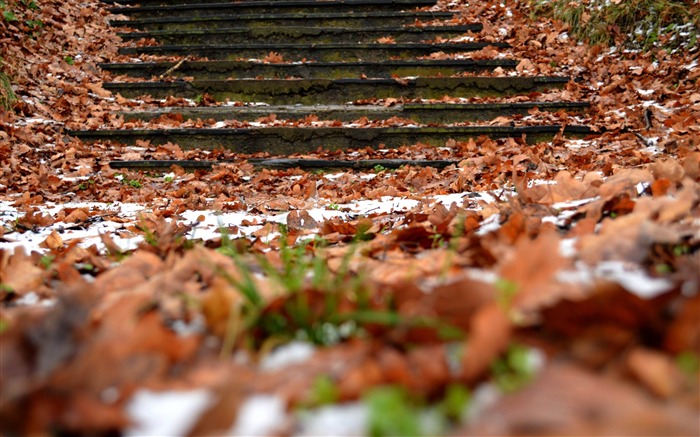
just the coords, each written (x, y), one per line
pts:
(547, 289)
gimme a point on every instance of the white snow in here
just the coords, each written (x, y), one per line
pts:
(489, 225)
(167, 413)
(291, 353)
(485, 395)
(567, 247)
(32, 299)
(90, 234)
(629, 276)
(260, 415)
(633, 279)
(344, 420)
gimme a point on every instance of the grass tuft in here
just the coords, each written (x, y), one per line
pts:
(636, 24)
(7, 95)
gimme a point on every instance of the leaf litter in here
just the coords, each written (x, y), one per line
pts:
(127, 296)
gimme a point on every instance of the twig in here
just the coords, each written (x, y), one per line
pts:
(647, 117)
(646, 142)
(172, 69)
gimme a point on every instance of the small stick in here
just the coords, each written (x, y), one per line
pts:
(644, 140)
(173, 68)
(647, 117)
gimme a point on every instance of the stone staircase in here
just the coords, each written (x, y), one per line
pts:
(331, 57)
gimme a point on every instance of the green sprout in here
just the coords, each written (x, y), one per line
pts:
(514, 370)
(391, 413)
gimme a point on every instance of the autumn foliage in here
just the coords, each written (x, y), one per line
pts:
(563, 275)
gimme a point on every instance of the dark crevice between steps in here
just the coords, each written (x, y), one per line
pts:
(290, 140)
(268, 7)
(419, 113)
(220, 70)
(286, 163)
(316, 35)
(330, 91)
(358, 20)
(332, 52)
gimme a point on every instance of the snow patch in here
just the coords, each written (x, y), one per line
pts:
(170, 413)
(291, 353)
(260, 415)
(633, 279)
(345, 420)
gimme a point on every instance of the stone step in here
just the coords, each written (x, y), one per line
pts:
(418, 112)
(330, 19)
(269, 7)
(220, 70)
(333, 52)
(174, 2)
(286, 163)
(289, 140)
(299, 35)
(338, 91)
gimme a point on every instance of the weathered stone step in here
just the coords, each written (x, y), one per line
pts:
(269, 7)
(333, 52)
(288, 140)
(220, 70)
(338, 91)
(285, 163)
(298, 35)
(170, 2)
(418, 112)
(331, 19)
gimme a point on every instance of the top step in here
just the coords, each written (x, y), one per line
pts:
(269, 6)
(408, 3)
(327, 19)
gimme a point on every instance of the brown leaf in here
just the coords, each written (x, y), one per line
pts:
(490, 332)
(273, 58)
(301, 219)
(53, 241)
(220, 308)
(19, 272)
(567, 400)
(657, 371)
(134, 271)
(78, 215)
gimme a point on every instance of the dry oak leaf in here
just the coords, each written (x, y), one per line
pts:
(78, 215)
(19, 272)
(273, 58)
(657, 371)
(53, 241)
(534, 265)
(135, 270)
(489, 335)
(625, 181)
(218, 304)
(623, 238)
(669, 169)
(565, 189)
(301, 219)
(667, 209)
(684, 332)
(128, 346)
(567, 400)
(654, 220)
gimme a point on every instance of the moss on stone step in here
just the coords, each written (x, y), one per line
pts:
(338, 91)
(357, 20)
(288, 140)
